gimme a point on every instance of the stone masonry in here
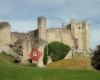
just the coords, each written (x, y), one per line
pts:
(75, 34)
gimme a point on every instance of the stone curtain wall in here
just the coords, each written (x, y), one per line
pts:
(61, 35)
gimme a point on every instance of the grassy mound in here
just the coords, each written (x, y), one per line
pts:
(10, 71)
(6, 58)
(71, 64)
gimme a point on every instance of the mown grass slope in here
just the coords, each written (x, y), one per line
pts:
(11, 71)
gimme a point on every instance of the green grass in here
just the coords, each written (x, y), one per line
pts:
(10, 71)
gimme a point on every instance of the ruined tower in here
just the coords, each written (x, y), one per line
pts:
(42, 28)
(5, 32)
(74, 27)
(64, 25)
(41, 36)
(85, 34)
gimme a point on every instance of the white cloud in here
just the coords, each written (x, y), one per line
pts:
(95, 35)
(25, 26)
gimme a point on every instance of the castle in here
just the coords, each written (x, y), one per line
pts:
(76, 35)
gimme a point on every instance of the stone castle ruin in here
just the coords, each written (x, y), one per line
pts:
(76, 35)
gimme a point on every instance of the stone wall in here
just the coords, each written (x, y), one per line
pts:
(61, 35)
(27, 47)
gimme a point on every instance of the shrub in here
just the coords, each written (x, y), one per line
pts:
(95, 60)
(56, 50)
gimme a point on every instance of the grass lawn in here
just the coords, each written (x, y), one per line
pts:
(10, 71)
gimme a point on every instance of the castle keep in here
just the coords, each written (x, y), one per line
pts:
(75, 34)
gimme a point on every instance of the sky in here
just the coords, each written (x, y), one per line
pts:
(22, 14)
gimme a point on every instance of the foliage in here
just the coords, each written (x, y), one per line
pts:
(56, 50)
(95, 60)
(17, 50)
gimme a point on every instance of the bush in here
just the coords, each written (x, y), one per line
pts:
(95, 60)
(56, 50)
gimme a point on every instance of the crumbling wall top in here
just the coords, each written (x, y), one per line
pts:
(4, 25)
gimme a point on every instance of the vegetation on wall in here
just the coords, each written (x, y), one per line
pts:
(56, 50)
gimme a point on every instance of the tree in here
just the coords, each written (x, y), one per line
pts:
(56, 50)
(95, 60)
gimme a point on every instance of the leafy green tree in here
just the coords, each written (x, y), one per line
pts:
(56, 50)
(95, 60)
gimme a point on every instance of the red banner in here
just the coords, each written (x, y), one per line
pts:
(35, 55)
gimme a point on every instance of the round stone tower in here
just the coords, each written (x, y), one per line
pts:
(41, 36)
(74, 27)
(42, 28)
(5, 33)
(85, 36)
